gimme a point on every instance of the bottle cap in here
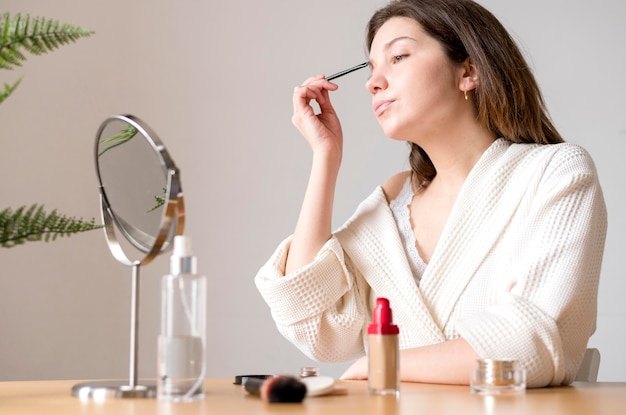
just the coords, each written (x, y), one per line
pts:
(308, 371)
(182, 260)
(382, 320)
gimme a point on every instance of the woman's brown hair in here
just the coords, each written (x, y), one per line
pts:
(508, 100)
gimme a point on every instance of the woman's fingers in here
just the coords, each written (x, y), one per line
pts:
(314, 88)
(323, 129)
(303, 94)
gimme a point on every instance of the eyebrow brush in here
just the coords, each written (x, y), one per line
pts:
(347, 71)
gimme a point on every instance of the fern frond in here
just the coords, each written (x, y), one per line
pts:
(8, 89)
(35, 224)
(36, 35)
(125, 134)
(159, 201)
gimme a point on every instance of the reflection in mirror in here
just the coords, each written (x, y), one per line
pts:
(141, 198)
(134, 182)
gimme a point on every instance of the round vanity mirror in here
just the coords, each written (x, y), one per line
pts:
(142, 200)
(140, 188)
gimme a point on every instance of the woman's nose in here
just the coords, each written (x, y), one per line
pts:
(375, 83)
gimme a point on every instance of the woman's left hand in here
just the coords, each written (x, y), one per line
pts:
(357, 371)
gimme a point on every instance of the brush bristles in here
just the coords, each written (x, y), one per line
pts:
(283, 389)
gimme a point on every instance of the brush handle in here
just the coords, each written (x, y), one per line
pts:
(253, 385)
(347, 71)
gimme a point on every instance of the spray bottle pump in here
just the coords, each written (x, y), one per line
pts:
(182, 260)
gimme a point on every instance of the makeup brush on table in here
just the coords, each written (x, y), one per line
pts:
(276, 388)
(289, 388)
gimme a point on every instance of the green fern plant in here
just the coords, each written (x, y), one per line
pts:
(20, 35)
(38, 35)
(35, 224)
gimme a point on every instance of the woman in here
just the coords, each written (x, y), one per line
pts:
(490, 247)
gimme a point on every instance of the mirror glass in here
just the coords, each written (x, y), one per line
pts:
(139, 184)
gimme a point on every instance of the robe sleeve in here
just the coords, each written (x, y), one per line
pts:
(547, 312)
(317, 308)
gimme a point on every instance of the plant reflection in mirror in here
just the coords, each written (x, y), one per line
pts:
(125, 135)
(160, 201)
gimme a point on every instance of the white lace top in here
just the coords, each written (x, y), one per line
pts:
(402, 214)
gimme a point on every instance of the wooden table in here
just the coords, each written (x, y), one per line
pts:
(222, 397)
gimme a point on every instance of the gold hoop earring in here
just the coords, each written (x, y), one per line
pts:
(465, 94)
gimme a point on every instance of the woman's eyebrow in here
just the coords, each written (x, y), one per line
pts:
(397, 39)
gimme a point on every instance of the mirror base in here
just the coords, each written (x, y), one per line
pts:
(103, 390)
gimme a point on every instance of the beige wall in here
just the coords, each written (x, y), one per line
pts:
(214, 79)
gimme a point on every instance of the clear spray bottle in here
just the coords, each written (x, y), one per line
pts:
(182, 341)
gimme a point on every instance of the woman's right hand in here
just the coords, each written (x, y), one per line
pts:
(323, 130)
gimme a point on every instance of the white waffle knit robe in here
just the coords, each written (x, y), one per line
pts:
(515, 272)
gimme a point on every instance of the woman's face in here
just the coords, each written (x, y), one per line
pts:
(414, 85)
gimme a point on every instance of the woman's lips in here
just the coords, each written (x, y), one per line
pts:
(381, 105)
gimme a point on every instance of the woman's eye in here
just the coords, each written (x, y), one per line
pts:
(398, 58)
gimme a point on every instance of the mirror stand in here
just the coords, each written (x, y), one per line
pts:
(148, 228)
(101, 390)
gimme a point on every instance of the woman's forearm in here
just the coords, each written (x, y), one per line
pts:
(313, 228)
(447, 362)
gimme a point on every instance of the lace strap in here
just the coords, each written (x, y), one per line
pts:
(400, 207)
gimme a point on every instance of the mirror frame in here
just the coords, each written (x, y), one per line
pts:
(173, 218)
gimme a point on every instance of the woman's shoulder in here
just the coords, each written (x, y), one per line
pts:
(561, 156)
(394, 184)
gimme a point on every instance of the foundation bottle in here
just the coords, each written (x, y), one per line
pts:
(383, 351)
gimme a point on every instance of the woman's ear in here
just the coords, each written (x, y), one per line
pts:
(469, 76)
